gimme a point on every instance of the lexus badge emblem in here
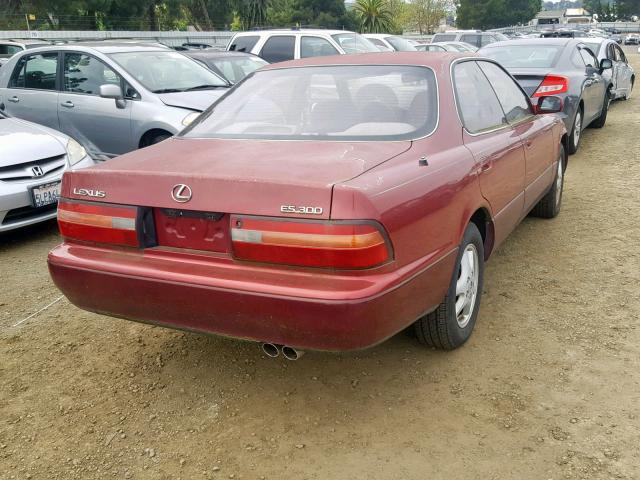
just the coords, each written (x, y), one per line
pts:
(181, 193)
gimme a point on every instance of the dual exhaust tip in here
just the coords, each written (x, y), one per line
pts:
(272, 350)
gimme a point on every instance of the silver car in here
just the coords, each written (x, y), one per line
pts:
(621, 77)
(32, 161)
(111, 97)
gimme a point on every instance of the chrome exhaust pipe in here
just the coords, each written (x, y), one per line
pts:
(271, 350)
(291, 353)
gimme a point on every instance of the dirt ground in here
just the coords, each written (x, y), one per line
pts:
(547, 388)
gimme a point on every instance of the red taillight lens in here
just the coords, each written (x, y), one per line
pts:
(552, 85)
(97, 222)
(309, 243)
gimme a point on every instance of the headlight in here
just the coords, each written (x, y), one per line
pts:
(186, 121)
(75, 152)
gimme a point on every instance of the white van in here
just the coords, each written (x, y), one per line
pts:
(281, 45)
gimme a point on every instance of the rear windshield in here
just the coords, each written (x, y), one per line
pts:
(400, 44)
(346, 102)
(524, 56)
(443, 38)
(354, 43)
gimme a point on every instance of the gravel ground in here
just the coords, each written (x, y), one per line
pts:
(547, 388)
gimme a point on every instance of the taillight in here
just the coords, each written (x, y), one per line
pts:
(98, 222)
(329, 244)
(552, 85)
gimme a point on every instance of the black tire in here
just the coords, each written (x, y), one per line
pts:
(158, 138)
(574, 143)
(549, 205)
(602, 119)
(440, 329)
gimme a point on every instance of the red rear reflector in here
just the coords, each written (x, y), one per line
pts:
(97, 222)
(552, 85)
(309, 243)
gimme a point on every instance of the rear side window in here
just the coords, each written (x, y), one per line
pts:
(316, 47)
(85, 74)
(243, 43)
(36, 71)
(279, 48)
(514, 103)
(478, 106)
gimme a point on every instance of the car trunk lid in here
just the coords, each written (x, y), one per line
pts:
(529, 79)
(224, 177)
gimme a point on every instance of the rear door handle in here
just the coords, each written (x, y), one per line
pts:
(67, 104)
(14, 99)
(528, 143)
(486, 166)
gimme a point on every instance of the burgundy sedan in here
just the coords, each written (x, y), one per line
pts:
(325, 203)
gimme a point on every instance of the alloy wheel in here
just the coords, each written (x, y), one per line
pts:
(467, 285)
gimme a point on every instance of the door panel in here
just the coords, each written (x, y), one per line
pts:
(31, 93)
(539, 152)
(500, 156)
(96, 122)
(496, 147)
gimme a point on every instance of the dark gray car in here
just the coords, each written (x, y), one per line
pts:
(232, 66)
(563, 67)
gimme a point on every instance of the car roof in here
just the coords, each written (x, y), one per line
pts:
(206, 53)
(378, 35)
(417, 58)
(105, 47)
(557, 41)
(297, 31)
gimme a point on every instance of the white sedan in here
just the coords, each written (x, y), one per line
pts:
(32, 161)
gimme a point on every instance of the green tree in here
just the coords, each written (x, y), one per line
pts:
(375, 16)
(486, 14)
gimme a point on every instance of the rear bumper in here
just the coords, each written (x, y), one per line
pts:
(307, 310)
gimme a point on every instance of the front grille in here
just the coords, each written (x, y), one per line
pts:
(22, 171)
(26, 213)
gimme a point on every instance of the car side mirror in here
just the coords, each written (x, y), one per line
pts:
(605, 63)
(110, 90)
(549, 104)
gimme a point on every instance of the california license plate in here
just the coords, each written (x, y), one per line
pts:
(45, 194)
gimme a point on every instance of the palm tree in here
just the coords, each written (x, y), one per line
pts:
(375, 16)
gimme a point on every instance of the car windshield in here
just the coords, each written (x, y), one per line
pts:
(345, 102)
(354, 43)
(400, 44)
(167, 72)
(524, 56)
(235, 69)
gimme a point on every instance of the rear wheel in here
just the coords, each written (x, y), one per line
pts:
(602, 119)
(576, 132)
(549, 205)
(450, 325)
